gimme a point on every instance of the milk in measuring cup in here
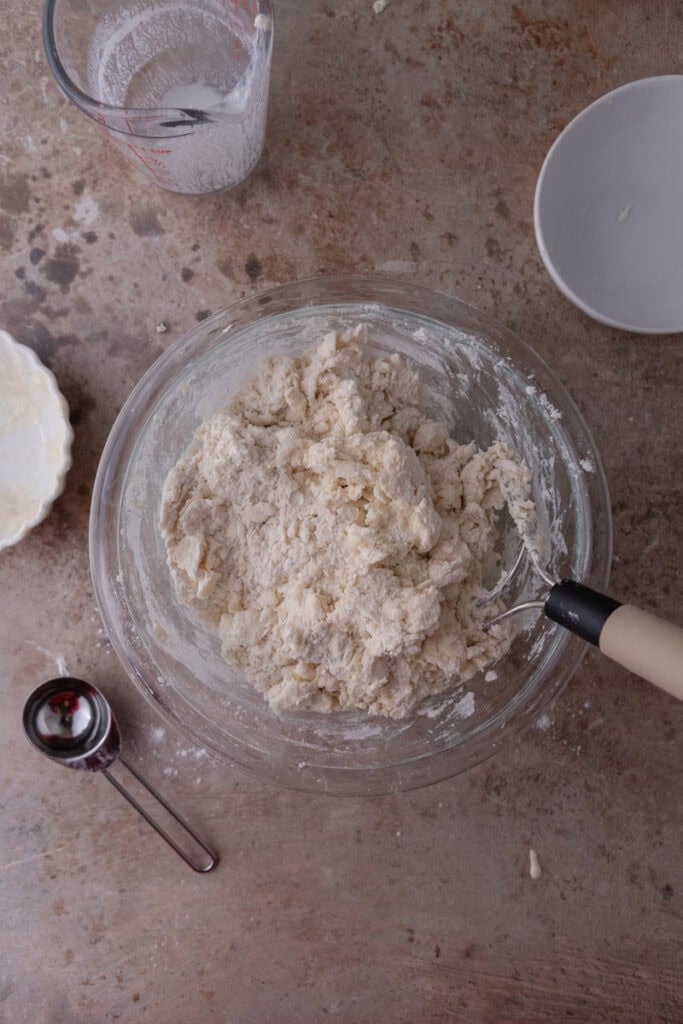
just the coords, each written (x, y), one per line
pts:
(158, 61)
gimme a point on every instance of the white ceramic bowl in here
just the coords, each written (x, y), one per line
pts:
(35, 440)
(608, 211)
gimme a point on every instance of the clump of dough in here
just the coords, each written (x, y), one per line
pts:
(337, 537)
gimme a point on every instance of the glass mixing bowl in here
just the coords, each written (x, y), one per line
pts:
(487, 384)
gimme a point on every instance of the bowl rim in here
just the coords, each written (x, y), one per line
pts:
(352, 780)
(652, 81)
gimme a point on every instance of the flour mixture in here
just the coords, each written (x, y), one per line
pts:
(337, 537)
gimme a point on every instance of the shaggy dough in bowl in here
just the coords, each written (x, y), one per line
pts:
(337, 537)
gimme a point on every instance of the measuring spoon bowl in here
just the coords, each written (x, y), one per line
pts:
(71, 722)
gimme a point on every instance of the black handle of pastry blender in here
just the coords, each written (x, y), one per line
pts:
(642, 643)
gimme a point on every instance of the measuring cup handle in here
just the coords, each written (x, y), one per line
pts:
(201, 868)
(635, 639)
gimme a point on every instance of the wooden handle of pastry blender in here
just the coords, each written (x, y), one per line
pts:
(642, 643)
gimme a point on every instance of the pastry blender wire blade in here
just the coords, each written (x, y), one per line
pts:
(637, 640)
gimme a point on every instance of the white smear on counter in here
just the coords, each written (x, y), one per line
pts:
(395, 266)
(543, 723)
(624, 214)
(86, 211)
(158, 732)
(161, 328)
(62, 669)
(534, 866)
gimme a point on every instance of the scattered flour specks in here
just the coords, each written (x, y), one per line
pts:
(549, 408)
(197, 753)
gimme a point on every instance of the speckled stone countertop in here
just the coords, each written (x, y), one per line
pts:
(407, 144)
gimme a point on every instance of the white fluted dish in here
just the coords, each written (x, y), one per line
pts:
(35, 440)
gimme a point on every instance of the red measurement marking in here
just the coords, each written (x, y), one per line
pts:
(148, 164)
(140, 118)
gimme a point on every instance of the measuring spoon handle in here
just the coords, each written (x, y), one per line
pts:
(635, 639)
(200, 867)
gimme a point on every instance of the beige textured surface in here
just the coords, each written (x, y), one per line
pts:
(406, 143)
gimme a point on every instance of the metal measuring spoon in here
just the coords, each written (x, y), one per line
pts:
(72, 723)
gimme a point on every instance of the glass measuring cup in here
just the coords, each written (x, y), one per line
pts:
(180, 86)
